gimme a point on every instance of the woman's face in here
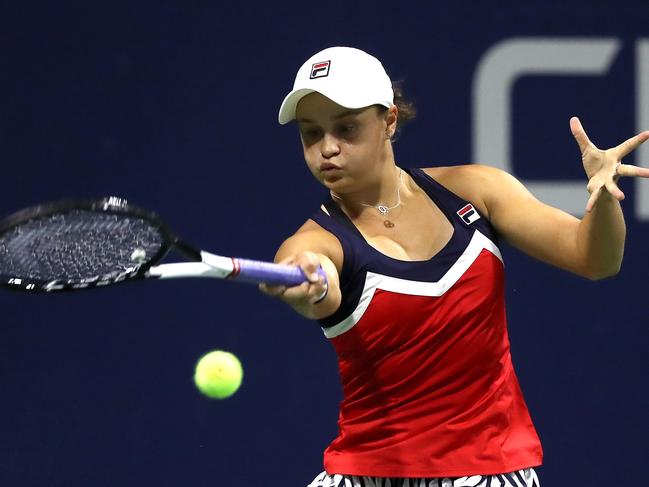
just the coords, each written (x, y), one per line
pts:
(343, 148)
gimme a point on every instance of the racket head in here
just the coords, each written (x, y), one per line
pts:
(70, 245)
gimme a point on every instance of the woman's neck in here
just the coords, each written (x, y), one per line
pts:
(382, 193)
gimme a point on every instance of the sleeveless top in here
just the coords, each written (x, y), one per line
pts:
(423, 354)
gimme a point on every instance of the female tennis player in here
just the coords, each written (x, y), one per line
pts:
(414, 297)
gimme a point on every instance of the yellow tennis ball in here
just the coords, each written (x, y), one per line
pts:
(218, 374)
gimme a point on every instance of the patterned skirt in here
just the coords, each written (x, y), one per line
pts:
(522, 478)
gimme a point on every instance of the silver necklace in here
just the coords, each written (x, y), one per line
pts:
(383, 209)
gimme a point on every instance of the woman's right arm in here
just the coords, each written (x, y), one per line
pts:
(311, 247)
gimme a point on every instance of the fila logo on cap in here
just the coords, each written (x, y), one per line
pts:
(320, 70)
(468, 214)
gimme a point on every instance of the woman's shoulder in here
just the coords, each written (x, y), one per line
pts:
(312, 237)
(311, 226)
(463, 175)
(471, 182)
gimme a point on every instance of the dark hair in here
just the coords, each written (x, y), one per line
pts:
(407, 109)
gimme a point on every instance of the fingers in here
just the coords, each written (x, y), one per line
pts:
(614, 190)
(311, 291)
(631, 144)
(305, 292)
(272, 290)
(593, 199)
(604, 168)
(621, 150)
(580, 135)
(629, 170)
(596, 191)
(309, 263)
(317, 287)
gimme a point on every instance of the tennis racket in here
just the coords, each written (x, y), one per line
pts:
(66, 246)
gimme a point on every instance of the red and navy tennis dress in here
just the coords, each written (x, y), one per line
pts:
(428, 384)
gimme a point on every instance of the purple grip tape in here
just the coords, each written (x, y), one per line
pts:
(257, 271)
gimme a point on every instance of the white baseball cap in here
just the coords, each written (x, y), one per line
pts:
(347, 76)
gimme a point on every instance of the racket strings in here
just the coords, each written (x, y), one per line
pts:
(77, 246)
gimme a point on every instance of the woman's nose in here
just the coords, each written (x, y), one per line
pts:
(329, 146)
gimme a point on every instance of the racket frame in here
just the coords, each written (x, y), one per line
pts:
(202, 263)
(109, 205)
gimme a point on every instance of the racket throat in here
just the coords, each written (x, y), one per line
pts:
(210, 265)
(188, 251)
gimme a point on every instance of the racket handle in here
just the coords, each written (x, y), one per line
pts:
(258, 271)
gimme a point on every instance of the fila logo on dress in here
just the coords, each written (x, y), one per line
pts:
(320, 70)
(468, 214)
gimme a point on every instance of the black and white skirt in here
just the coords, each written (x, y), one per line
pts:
(522, 478)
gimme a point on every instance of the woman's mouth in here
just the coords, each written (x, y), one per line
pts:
(327, 166)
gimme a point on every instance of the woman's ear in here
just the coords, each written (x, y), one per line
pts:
(391, 117)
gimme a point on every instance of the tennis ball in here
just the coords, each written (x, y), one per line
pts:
(218, 374)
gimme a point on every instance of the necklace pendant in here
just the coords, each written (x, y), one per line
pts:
(388, 224)
(383, 210)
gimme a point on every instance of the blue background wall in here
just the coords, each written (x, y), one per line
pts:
(174, 107)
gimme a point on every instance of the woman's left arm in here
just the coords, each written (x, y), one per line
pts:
(591, 247)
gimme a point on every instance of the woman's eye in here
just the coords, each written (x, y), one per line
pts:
(348, 129)
(310, 133)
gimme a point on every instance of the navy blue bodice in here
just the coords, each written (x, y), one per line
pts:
(360, 257)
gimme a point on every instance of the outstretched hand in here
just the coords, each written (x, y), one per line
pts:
(309, 292)
(604, 167)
